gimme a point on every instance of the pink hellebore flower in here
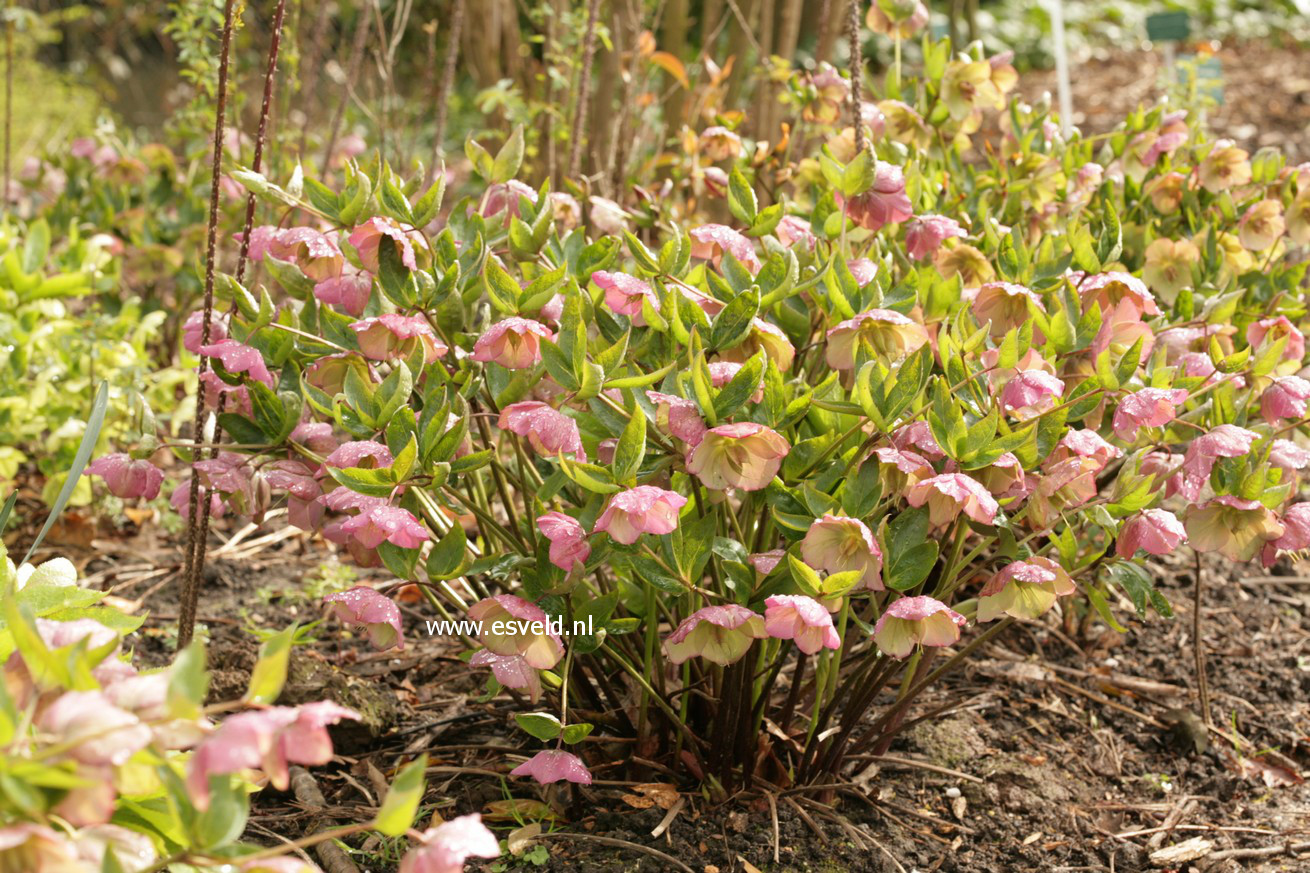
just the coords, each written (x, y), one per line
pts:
(192, 330)
(95, 731)
(1024, 589)
(885, 203)
(1121, 327)
(898, 470)
(127, 478)
(376, 612)
(838, 544)
(1285, 398)
(315, 252)
(389, 524)
(569, 548)
(1149, 407)
(721, 373)
(552, 765)
(1225, 441)
(1288, 457)
(644, 509)
(1004, 477)
(1155, 531)
(950, 494)
(549, 431)
(793, 229)
(1296, 529)
(917, 435)
(504, 197)
(800, 618)
(512, 671)
(1083, 443)
(911, 621)
(354, 453)
(1270, 330)
(367, 239)
(862, 270)
(513, 626)
(678, 416)
(1234, 527)
(514, 343)
(350, 292)
(710, 241)
(1005, 306)
(891, 335)
(239, 358)
(625, 294)
(717, 143)
(743, 455)
(1112, 288)
(27, 847)
(445, 848)
(1029, 393)
(392, 336)
(267, 739)
(721, 634)
(925, 234)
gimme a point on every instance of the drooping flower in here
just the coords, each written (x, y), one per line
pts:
(800, 618)
(902, 19)
(1029, 393)
(1166, 192)
(549, 431)
(925, 234)
(625, 294)
(1168, 267)
(512, 671)
(315, 252)
(838, 544)
(963, 260)
(1261, 225)
(511, 625)
(1225, 441)
(863, 271)
(1285, 398)
(644, 509)
(917, 435)
(389, 524)
(445, 848)
(367, 239)
(552, 765)
(892, 336)
(678, 416)
(1121, 329)
(568, 540)
(949, 494)
(744, 455)
(1113, 288)
(1288, 457)
(793, 229)
(916, 621)
(763, 336)
(350, 292)
(1155, 531)
(1225, 167)
(885, 202)
(1083, 443)
(565, 210)
(1296, 528)
(1297, 218)
(721, 634)
(1004, 477)
(722, 372)
(94, 730)
(898, 470)
(193, 330)
(717, 143)
(376, 613)
(1024, 589)
(514, 343)
(357, 452)
(607, 216)
(710, 241)
(27, 847)
(1234, 527)
(1270, 330)
(1005, 306)
(127, 478)
(1149, 407)
(504, 197)
(239, 358)
(392, 336)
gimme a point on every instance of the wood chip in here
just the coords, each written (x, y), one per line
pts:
(1187, 850)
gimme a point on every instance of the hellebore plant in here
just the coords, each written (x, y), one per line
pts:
(741, 492)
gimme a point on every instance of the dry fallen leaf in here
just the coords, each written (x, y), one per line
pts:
(648, 794)
(520, 839)
(514, 809)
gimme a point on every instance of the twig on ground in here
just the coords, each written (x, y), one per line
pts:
(306, 789)
(617, 843)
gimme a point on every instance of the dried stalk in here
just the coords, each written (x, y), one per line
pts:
(356, 61)
(583, 90)
(857, 73)
(447, 84)
(1198, 648)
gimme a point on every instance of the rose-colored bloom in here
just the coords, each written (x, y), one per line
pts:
(1004, 477)
(1234, 527)
(127, 478)
(445, 848)
(512, 671)
(625, 294)
(607, 216)
(917, 435)
(963, 260)
(1225, 441)
(863, 271)
(800, 618)
(904, 20)
(1149, 407)
(549, 431)
(239, 358)
(950, 494)
(1121, 328)
(350, 292)
(1112, 288)
(1005, 306)
(552, 765)
(504, 197)
(1261, 225)
(1083, 443)
(389, 524)
(180, 500)
(356, 452)
(885, 203)
(1225, 167)
(1297, 218)
(766, 562)
(722, 372)
(745, 455)
(678, 416)
(513, 626)
(891, 335)
(94, 730)
(913, 621)
(392, 336)
(377, 613)
(1296, 528)
(315, 252)
(268, 739)
(710, 241)
(1168, 267)
(717, 143)
(925, 234)
(721, 634)
(1270, 330)
(27, 847)
(134, 851)
(565, 209)
(1029, 393)
(1156, 531)
(838, 544)
(568, 540)
(1288, 457)
(1285, 398)
(644, 509)
(514, 343)
(367, 239)
(1024, 589)
(793, 229)
(763, 336)
(193, 329)
(898, 469)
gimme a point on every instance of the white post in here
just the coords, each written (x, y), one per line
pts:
(1061, 67)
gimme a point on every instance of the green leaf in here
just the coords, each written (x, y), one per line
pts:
(509, 158)
(576, 733)
(734, 322)
(541, 725)
(743, 385)
(502, 290)
(188, 683)
(631, 448)
(446, 559)
(644, 257)
(270, 672)
(741, 197)
(95, 421)
(397, 813)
